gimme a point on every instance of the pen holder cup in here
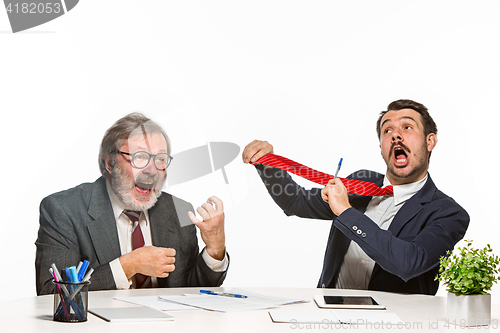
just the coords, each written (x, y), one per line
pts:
(71, 301)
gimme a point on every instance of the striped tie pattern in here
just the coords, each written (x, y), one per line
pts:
(353, 186)
(141, 281)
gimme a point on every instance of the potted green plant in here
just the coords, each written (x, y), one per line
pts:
(469, 275)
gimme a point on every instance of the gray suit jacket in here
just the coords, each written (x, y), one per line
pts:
(78, 224)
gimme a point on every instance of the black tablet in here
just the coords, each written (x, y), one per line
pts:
(347, 302)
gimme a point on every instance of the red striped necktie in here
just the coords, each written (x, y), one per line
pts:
(141, 281)
(353, 186)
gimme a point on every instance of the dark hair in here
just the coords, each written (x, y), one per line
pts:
(121, 130)
(427, 121)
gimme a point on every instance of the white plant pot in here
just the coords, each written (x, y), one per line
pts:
(469, 310)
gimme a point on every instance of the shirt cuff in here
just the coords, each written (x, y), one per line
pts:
(214, 264)
(119, 276)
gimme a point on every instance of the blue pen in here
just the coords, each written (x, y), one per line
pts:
(74, 274)
(78, 302)
(338, 168)
(68, 275)
(209, 292)
(72, 277)
(82, 270)
(85, 279)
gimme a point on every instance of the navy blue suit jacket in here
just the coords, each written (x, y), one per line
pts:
(406, 255)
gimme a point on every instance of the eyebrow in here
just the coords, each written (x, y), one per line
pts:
(404, 117)
(142, 148)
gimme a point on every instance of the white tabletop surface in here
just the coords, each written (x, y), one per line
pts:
(421, 314)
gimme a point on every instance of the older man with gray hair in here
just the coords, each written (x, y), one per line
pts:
(133, 234)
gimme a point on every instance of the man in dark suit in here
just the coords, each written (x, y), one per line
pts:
(93, 221)
(388, 243)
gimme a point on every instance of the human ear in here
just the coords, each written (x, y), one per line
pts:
(431, 141)
(108, 164)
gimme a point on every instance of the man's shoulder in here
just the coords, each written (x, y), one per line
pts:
(445, 202)
(436, 201)
(79, 192)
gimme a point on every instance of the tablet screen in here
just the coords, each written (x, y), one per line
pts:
(351, 300)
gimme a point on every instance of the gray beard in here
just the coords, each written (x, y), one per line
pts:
(123, 186)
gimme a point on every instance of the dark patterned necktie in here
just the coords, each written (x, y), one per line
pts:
(141, 281)
(353, 186)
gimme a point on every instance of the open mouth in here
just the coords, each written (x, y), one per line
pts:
(400, 156)
(144, 187)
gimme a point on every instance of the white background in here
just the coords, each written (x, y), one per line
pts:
(308, 76)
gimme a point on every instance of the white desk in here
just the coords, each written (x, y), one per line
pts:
(421, 313)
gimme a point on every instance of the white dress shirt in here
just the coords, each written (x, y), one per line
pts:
(125, 228)
(356, 270)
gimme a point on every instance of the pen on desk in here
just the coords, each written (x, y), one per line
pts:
(338, 168)
(209, 292)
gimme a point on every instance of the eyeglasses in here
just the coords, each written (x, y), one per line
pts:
(141, 159)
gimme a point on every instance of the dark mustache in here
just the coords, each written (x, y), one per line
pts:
(402, 145)
(142, 178)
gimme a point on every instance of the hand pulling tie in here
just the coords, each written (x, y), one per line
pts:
(353, 186)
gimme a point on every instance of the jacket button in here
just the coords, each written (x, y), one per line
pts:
(363, 235)
(359, 232)
(354, 228)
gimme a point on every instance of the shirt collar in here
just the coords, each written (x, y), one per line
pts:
(404, 192)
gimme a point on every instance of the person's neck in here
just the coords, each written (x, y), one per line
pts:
(395, 181)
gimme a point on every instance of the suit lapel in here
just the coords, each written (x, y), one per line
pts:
(163, 219)
(413, 206)
(409, 210)
(102, 229)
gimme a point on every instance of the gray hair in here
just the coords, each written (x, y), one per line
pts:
(118, 134)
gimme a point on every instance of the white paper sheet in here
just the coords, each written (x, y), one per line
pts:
(230, 304)
(130, 314)
(155, 302)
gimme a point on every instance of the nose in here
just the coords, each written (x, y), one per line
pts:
(396, 136)
(150, 169)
